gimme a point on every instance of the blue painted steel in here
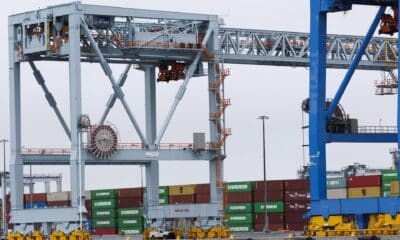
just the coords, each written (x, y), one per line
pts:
(362, 220)
(355, 63)
(359, 205)
(324, 208)
(317, 102)
(362, 138)
(335, 5)
(389, 205)
(35, 205)
(398, 88)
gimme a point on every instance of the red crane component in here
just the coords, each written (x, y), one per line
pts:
(171, 71)
(388, 23)
(103, 141)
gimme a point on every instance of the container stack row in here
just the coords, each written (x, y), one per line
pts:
(112, 211)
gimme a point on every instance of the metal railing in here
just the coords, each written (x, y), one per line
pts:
(120, 146)
(377, 129)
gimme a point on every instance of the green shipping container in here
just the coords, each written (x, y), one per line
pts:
(130, 230)
(130, 212)
(386, 193)
(104, 213)
(162, 191)
(239, 187)
(272, 207)
(163, 200)
(244, 218)
(241, 228)
(336, 182)
(239, 208)
(104, 222)
(132, 221)
(103, 204)
(386, 186)
(389, 175)
(103, 194)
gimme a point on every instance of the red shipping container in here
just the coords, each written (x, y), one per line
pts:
(297, 195)
(272, 185)
(295, 226)
(297, 184)
(273, 218)
(104, 231)
(130, 202)
(203, 188)
(271, 196)
(88, 204)
(59, 204)
(273, 227)
(295, 217)
(364, 181)
(181, 199)
(241, 197)
(36, 197)
(88, 214)
(203, 198)
(297, 205)
(130, 192)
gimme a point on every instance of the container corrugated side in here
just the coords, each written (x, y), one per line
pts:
(233, 187)
(272, 207)
(103, 194)
(103, 203)
(364, 192)
(182, 190)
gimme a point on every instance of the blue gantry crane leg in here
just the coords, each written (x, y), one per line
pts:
(342, 216)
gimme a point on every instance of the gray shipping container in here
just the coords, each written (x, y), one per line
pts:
(338, 193)
(336, 182)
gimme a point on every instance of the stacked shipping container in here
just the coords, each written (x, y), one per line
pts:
(129, 213)
(336, 188)
(115, 211)
(275, 209)
(297, 202)
(182, 194)
(388, 176)
(239, 197)
(104, 207)
(364, 186)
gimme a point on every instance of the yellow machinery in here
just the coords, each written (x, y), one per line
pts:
(196, 232)
(35, 235)
(218, 232)
(58, 235)
(333, 226)
(146, 233)
(79, 235)
(383, 224)
(15, 236)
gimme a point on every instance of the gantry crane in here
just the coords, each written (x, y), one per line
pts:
(177, 44)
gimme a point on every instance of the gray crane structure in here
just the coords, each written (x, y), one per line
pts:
(145, 39)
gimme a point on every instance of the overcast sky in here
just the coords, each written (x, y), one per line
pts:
(254, 90)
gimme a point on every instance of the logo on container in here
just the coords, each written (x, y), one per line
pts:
(237, 187)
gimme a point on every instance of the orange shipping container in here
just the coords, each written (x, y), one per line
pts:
(394, 188)
(364, 192)
(182, 190)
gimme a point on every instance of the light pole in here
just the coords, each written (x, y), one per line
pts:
(263, 118)
(4, 185)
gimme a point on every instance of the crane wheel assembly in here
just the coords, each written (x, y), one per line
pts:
(378, 225)
(196, 233)
(35, 235)
(15, 236)
(79, 235)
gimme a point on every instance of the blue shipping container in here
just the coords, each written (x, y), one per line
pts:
(35, 205)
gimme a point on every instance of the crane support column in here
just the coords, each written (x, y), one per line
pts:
(75, 103)
(152, 169)
(16, 165)
(317, 102)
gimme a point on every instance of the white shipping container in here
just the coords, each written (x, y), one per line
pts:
(338, 193)
(58, 196)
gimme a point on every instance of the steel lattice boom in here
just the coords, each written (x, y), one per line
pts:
(263, 47)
